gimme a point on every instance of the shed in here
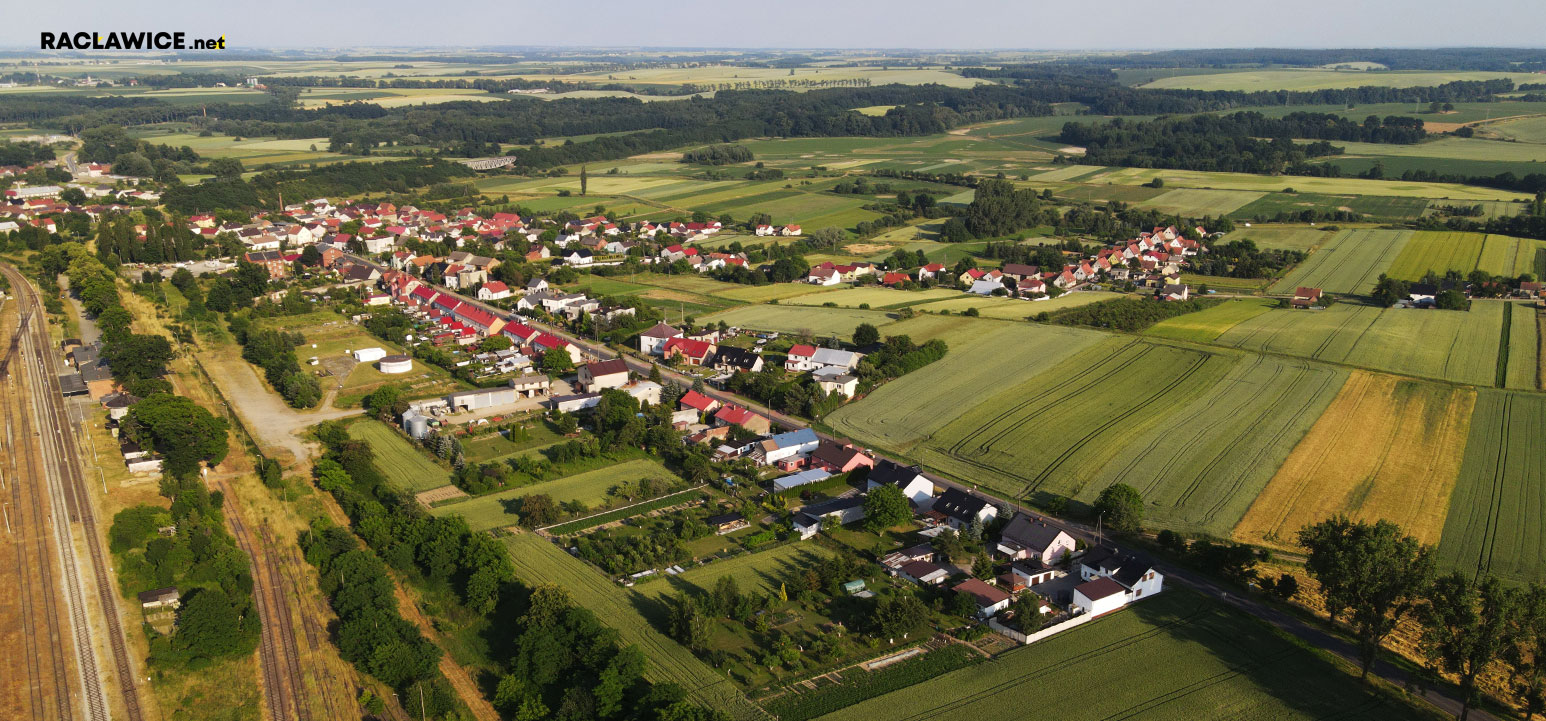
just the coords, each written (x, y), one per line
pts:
(369, 355)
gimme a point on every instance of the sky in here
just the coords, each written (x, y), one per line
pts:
(926, 24)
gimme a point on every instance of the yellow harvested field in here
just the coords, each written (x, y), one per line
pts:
(1385, 448)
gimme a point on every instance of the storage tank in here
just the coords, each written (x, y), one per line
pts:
(396, 364)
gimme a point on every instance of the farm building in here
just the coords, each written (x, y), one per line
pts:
(836, 380)
(480, 398)
(909, 479)
(1025, 538)
(811, 475)
(575, 403)
(368, 355)
(1306, 297)
(809, 358)
(396, 364)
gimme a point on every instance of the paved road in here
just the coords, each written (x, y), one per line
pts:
(1285, 622)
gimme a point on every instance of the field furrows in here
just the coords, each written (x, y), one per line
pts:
(1494, 519)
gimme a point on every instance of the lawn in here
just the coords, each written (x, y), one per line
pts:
(1460, 346)
(1177, 656)
(1013, 309)
(905, 411)
(816, 322)
(1494, 523)
(486, 512)
(1195, 203)
(496, 446)
(1056, 431)
(329, 335)
(1351, 262)
(537, 561)
(874, 297)
(1207, 325)
(404, 466)
(1385, 448)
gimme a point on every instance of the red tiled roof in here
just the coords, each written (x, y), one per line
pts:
(803, 351)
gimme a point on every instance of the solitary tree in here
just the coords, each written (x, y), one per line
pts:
(584, 180)
(1120, 507)
(885, 507)
(1372, 573)
(866, 334)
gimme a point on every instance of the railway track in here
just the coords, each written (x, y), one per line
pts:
(38, 592)
(66, 483)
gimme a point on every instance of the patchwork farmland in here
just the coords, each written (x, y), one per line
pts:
(1441, 252)
(1385, 448)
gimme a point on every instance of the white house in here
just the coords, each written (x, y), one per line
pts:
(990, 600)
(494, 290)
(600, 375)
(1025, 538)
(1113, 580)
(653, 340)
(909, 479)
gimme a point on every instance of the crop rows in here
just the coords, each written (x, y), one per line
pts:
(1494, 521)
(404, 466)
(1349, 263)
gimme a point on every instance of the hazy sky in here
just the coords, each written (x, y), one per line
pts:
(1031, 24)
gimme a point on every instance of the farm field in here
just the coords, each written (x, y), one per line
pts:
(1522, 130)
(1207, 325)
(1376, 207)
(1524, 344)
(771, 291)
(1302, 184)
(1385, 448)
(1442, 251)
(1494, 515)
(496, 446)
(1351, 262)
(1192, 202)
(1281, 237)
(875, 296)
(404, 466)
(902, 413)
(1237, 432)
(486, 512)
(755, 573)
(1054, 432)
(1460, 346)
(1217, 664)
(817, 322)
(538, 561)
(1012, 309)
(251, 151)
(1306, 79)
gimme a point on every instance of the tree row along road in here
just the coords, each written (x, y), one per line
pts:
(1279, 619)
(69, 494)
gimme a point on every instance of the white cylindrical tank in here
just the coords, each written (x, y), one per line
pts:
(396, 364)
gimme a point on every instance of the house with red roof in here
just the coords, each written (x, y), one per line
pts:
(547, 342)
(894, 279)
(734, 415)
(930, 270)
(699, 402)
(494, 290)
(695, 352)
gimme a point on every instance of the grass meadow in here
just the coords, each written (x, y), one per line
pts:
(486, 512)
(1207, 325)
(817, 322)
(404, 466)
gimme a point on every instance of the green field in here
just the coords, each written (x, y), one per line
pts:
(1349, 263)
(1195, 203)
(877, 297)
(496, 446)
(1304, 184)
(1376, 207)
(404, 466)
(1524, 347)
(1494, 523)
(1176, 657)
(1442, 251)
(817, 322)
(765, 293)
(1459, 346)
(1207, 325)
(1312, 79)
(590, 488)
(1522, 130)
(1013, 309)
(1054, 432)
(1296, 237)
(903, 412)
(1216, 452)
(537, 561)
